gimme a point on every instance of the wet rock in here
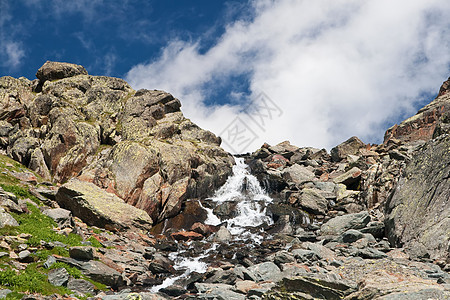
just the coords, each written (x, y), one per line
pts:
(81, 252)
(99, 208)
(340, 224)
(161, 264)
(61, 216)
(58, 277)
(349, 147)
(81, 286)
(217, 291)
(186, 235)
(52, 70)
(174, 290)
(222, 235)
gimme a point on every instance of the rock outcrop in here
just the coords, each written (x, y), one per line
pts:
(137, 145)
(430, 121)
(418, 212)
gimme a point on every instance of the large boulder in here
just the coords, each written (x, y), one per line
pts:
(417, 214)
(349, 147)
(52, 70)
(99, 208)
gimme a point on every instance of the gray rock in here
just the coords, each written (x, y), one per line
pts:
(4, 293)
(6, 219)
(428, 294)
(266, 271)
(58, 277)
(97, 207)
(349, 178)
(369, 253)
(161, 264)
(100, 272)
(222, 235)
(49, 262)
(61, 216)
(81, 252)
(312, 201)
(3, 254)
(419, 207)
(25, 256)
(283, 257)
(173, 290)
(340, 224)
(52, 70)
(303, 255)
(81, 286)
(350, 236)
(298, 174)
(222, 276)
(209, 287)
(349, 147)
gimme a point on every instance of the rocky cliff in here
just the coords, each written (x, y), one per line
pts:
(135, 144)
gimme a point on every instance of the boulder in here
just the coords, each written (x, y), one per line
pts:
(52, 70)
(99, 208)
(340, 224)
(58, 277)
(61, 216)
(351, 178)
(298, 174)
(418, 209)
(100, 272)
(312, 201)
(349, 147)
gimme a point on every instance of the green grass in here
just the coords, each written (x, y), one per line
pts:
(40, 227)
(29, 280)
(20, 192)
(95, 243)
(74, 272)
(42, 255)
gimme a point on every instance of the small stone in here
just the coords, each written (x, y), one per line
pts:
(222, 235)
(350, 236)
(25, 256)
(49, 262)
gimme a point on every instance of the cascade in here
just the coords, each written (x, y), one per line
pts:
(250, 199)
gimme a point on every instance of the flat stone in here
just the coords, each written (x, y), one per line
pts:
(6, 219)
(81, 286)
(266, 271)
(52, 70)
(340, 224)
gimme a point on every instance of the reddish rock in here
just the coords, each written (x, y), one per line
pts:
(203, 229)
(423, 125)
(186, 235)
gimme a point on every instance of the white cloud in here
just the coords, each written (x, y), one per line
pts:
(11, 50)
(335, 68)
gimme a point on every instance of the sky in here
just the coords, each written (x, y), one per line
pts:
(311, 72)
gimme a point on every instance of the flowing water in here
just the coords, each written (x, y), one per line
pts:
(242, 190)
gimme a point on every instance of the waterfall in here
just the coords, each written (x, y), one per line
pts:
(243, 190)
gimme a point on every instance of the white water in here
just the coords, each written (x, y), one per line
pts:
(244, 189)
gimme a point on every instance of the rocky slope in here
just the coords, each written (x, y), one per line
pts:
(137, 145)
(121, 180)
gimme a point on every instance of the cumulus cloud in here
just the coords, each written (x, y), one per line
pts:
(328, 70)
(11, 50)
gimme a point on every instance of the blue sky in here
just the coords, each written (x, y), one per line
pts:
(312, 72)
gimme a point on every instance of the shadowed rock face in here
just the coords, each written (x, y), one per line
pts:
(137, 145)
